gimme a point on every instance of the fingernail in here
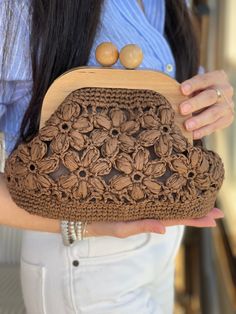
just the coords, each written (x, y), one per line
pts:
(186, 87)
(185, 108)
(190, 125)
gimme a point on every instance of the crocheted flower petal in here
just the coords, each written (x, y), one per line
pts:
(44, 181)
(66, 110)
(71, 160)
(164, 146)
(102, 121)
(140, 159)
(166, 115)
(23, 153)
(179, 163)
(90, 155)
(190, 189)
(120, 182)
(152, 185)
(98, 184)
(94, 197)
(195, 157)
(179, 142)
(60, 143)
(77, 140)
(155, 169)
(83, 125)
(47, 133)
(137, 192)
(20, 169)
(124, 163)
(149, 120)
(81, 191)
(216, 164)
(98, 137)
(31, 181)
(68, 181)
(38, 150)
(117, 117)
(129, 127)
(101, 167)
(48, 165)
(175, 182)
(110, 148)
(108, 197)
(204, 166)
(53, 120)
(127, 143)
(202, 182)
(148, 138)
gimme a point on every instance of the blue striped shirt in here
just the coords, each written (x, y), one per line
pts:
(122, 22)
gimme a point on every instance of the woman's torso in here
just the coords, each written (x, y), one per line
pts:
(122, 22)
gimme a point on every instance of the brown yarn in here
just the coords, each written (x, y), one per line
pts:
(109, 154)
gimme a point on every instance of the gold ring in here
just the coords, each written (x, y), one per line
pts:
(218, 93)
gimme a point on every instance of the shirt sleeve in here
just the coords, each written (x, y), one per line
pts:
(15, 70)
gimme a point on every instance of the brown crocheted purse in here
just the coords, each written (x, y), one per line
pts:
(112, 147)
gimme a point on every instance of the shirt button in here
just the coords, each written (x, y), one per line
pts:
(169, 67)
(75, 263)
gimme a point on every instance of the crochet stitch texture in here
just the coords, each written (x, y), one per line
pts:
(113, 154)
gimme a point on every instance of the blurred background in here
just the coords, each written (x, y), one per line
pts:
(206, 263)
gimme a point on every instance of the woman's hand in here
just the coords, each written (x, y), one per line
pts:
(125, 229)
(210, 112)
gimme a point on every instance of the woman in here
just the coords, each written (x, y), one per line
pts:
(118, 267)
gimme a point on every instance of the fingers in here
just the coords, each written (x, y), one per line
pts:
(203, 81)
(207, 116)
(126, 229)
(211, 113)
(207, 221)
(216, 213)
(208, 129)
(201, 100)
(194, 222)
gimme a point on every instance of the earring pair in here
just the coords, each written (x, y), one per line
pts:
(107, 54)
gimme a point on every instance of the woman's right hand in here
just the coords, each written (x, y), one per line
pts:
(125, 229)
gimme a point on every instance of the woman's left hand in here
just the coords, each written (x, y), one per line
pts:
(210, 111)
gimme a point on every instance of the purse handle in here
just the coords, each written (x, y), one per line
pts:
(81, 77)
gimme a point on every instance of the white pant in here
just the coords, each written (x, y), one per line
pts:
(113, 275)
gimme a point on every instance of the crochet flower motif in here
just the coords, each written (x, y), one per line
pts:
(162, 133)
(190, 173)
(114, 131)
(33, 167)
(139, 175)
(86, 173)
(62, 131)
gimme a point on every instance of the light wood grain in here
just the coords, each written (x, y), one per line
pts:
(114, 78)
